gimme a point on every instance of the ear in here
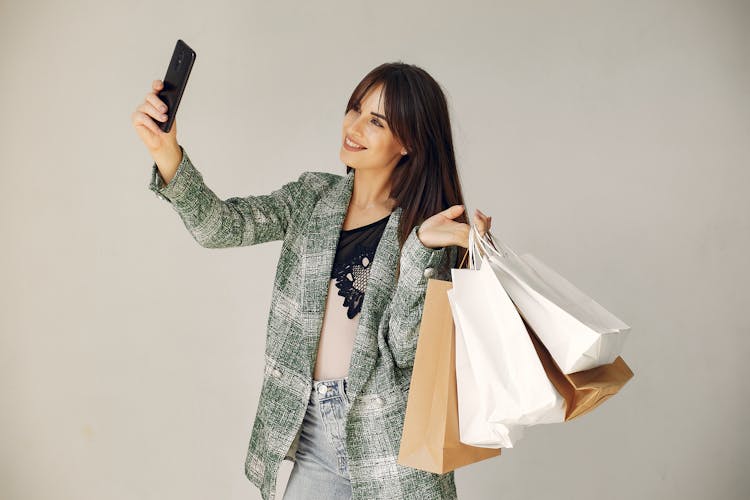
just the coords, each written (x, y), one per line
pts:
(403, 149)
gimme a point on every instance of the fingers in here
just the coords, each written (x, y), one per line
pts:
(456, 210)
(152, 107)
(149, 115)
(453, 211)
(141, 118)
(156, 103)
(153, 98)
(481, 215)
(149, 109)
(482, 221)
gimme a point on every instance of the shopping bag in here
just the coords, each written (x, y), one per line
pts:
(578, 332)
(510, 386)
(473, 427)
(584, 390)
(430, 436)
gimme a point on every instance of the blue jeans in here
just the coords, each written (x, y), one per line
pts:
(320, 469)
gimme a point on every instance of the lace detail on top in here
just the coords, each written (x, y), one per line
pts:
(351, 266)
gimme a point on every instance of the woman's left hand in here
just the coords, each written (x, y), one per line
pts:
(441, 230)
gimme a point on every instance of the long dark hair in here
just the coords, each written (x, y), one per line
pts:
(425, 180)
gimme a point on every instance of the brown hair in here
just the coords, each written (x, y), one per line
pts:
(425, 180)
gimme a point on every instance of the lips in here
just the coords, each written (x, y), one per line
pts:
(352, 147)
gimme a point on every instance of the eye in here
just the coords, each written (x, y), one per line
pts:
(374, 120)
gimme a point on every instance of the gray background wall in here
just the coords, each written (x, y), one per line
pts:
(609, 139)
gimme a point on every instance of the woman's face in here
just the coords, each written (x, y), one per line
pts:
(381, 149)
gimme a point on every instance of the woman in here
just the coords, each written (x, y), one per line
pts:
(337, 372)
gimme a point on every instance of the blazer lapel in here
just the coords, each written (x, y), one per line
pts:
(319, 250)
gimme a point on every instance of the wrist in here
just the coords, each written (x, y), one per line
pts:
(167, 160)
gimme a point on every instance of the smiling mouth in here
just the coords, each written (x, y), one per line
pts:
(351, 145)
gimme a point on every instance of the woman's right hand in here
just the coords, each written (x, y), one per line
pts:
(143, 118)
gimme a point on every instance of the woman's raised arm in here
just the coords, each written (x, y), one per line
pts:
(236, 221)
(213, 222)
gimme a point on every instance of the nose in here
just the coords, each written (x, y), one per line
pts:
(355, 129)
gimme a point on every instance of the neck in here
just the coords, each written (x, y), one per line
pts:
(371, 190)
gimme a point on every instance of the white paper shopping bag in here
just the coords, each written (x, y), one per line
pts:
(509, 380)
(474, 429)
(578, 332)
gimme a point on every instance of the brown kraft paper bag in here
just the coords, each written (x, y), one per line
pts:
(585, 390)
(430, 437)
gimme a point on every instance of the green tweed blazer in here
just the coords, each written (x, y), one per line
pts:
(307, 215)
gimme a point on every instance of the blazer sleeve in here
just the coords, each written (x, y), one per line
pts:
(418, 264)
(235, 221)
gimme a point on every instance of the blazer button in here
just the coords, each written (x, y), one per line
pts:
(429, 272)
(378, 402)
(276, 373)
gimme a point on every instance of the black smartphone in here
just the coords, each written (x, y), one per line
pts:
(175, 82)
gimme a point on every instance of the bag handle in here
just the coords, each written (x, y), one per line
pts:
(466, 254)
(477, 252)
(492, 247)
(472, 250)
(477, 244)
(476, 247)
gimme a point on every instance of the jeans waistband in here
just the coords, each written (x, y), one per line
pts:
(323, 389)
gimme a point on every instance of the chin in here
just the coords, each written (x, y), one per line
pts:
(343, 159)
(346, 160)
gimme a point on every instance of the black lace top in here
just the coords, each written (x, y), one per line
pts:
(351, 265)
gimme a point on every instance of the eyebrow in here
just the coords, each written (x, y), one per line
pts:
(373, 112)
